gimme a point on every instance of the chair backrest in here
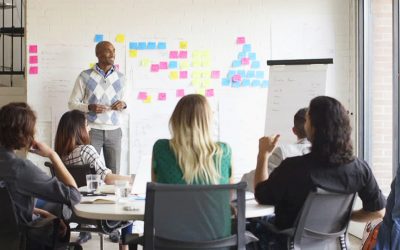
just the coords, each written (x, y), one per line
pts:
(194, 216)
(79, 172)
(11, 236)
(323, 220)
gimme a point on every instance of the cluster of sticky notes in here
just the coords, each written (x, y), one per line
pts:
(201, 58)
(245, 69)
(146, 97)
(33, 59)
(149, 45)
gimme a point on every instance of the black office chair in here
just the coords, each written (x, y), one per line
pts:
(322, 223)
(193, 217)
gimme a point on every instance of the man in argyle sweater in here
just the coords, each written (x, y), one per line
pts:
(100, 92)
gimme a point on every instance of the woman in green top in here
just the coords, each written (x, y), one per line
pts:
(191, 156)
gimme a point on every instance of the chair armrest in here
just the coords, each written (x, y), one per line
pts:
(315, 234)
(249, 237)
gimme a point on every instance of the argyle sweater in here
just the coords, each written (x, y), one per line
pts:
(92, 88)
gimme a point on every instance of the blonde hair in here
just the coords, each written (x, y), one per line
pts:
(192, 143)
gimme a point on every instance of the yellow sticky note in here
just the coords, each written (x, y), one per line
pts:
(205, 53)
(196, 54)
(196, 74)
(206, 63)
(196, 63)
(120, 38)
(148, 99)
(183, 64)
(201, 91)
(206, 83)
(145, 62)
(206, 74)
(174, 75)
(132, 53)
(91, 65)
(196, 82)
(183, 45)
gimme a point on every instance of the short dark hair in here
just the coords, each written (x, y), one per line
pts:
(331, 141)
(17, 126)
(101, 44)
(298, 122)
(71, 132)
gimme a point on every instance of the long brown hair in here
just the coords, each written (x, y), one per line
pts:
(71, 132)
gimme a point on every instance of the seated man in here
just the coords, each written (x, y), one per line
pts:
(301, 147)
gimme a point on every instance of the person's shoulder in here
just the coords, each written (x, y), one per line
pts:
(86, 148)
(225, 147)
(161, 143)
(300, 160)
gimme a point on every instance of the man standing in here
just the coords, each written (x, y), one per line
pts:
(101, 93)
(301, 147)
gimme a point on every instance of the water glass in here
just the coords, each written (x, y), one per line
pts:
(122, 189)
(92, 182)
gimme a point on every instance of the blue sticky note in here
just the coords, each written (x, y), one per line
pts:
(246, 82)
(142, 45)
(98, 38)
(265, 84)
(236, 63)
(242, 73)
(231, 73)
(241, 55)
(161, 45)
(133, 45)
(235, 84)
(225, 82)
(252, 56)
(250, 74)
(151, 45)
(260, 74)
(255, 83)
(246, 48)
(255, 65)
(173, 65)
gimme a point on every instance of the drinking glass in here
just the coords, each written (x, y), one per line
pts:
(92, 182)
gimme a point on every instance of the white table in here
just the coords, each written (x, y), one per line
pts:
(117, 212)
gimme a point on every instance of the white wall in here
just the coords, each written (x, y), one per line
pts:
(276, 29)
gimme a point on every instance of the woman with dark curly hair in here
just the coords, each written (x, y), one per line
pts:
(330, 165)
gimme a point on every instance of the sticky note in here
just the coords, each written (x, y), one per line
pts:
(225, 82)
(154, 67)
(260, 74)
(196, 63)
(98, 38)
(205, 53)
(231, 73)
(142, 45)
(201, 91)
(235, 85)
(206, 83)
(215, 74)
(241, 55)
(145, 62)
(161, 45)
(242, 73)
(206, 74)
(183, 74)
(163, 65)
(183, 64)
(255, 83)
(133, 45)
(33, 70)
(246, 48)
(246, 82)
(151, 45)
(148, 99)
(120, 38)
(236, 78)
(142, 96)
(183, 45)
(245, 61)
(196, 74)
(162, 96)
(240, 40)
(91, 65)
(174, 75)
(265, 84)
(196, 54)
(172, 64)
(33, 59)
(180, 92)
(173, 54)
(183, 54)
(255, 65)
(236, 63)
(196, 82)
(32, 48)
(250, 74)
(252, 56)
(132, 53)
(209, 92)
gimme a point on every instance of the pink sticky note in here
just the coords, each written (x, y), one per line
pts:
(183, 54)
(33, 70)
(163, 65)
(245, 61)
(236, 78)
(155, 68)
(240, 40)
(209, 92)
(142, 96)
(116, 66)
(183, 74)
(32, 48)
(33, 59)
(180, 92)
(215, 74)
(173, 54)
(162, 96)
